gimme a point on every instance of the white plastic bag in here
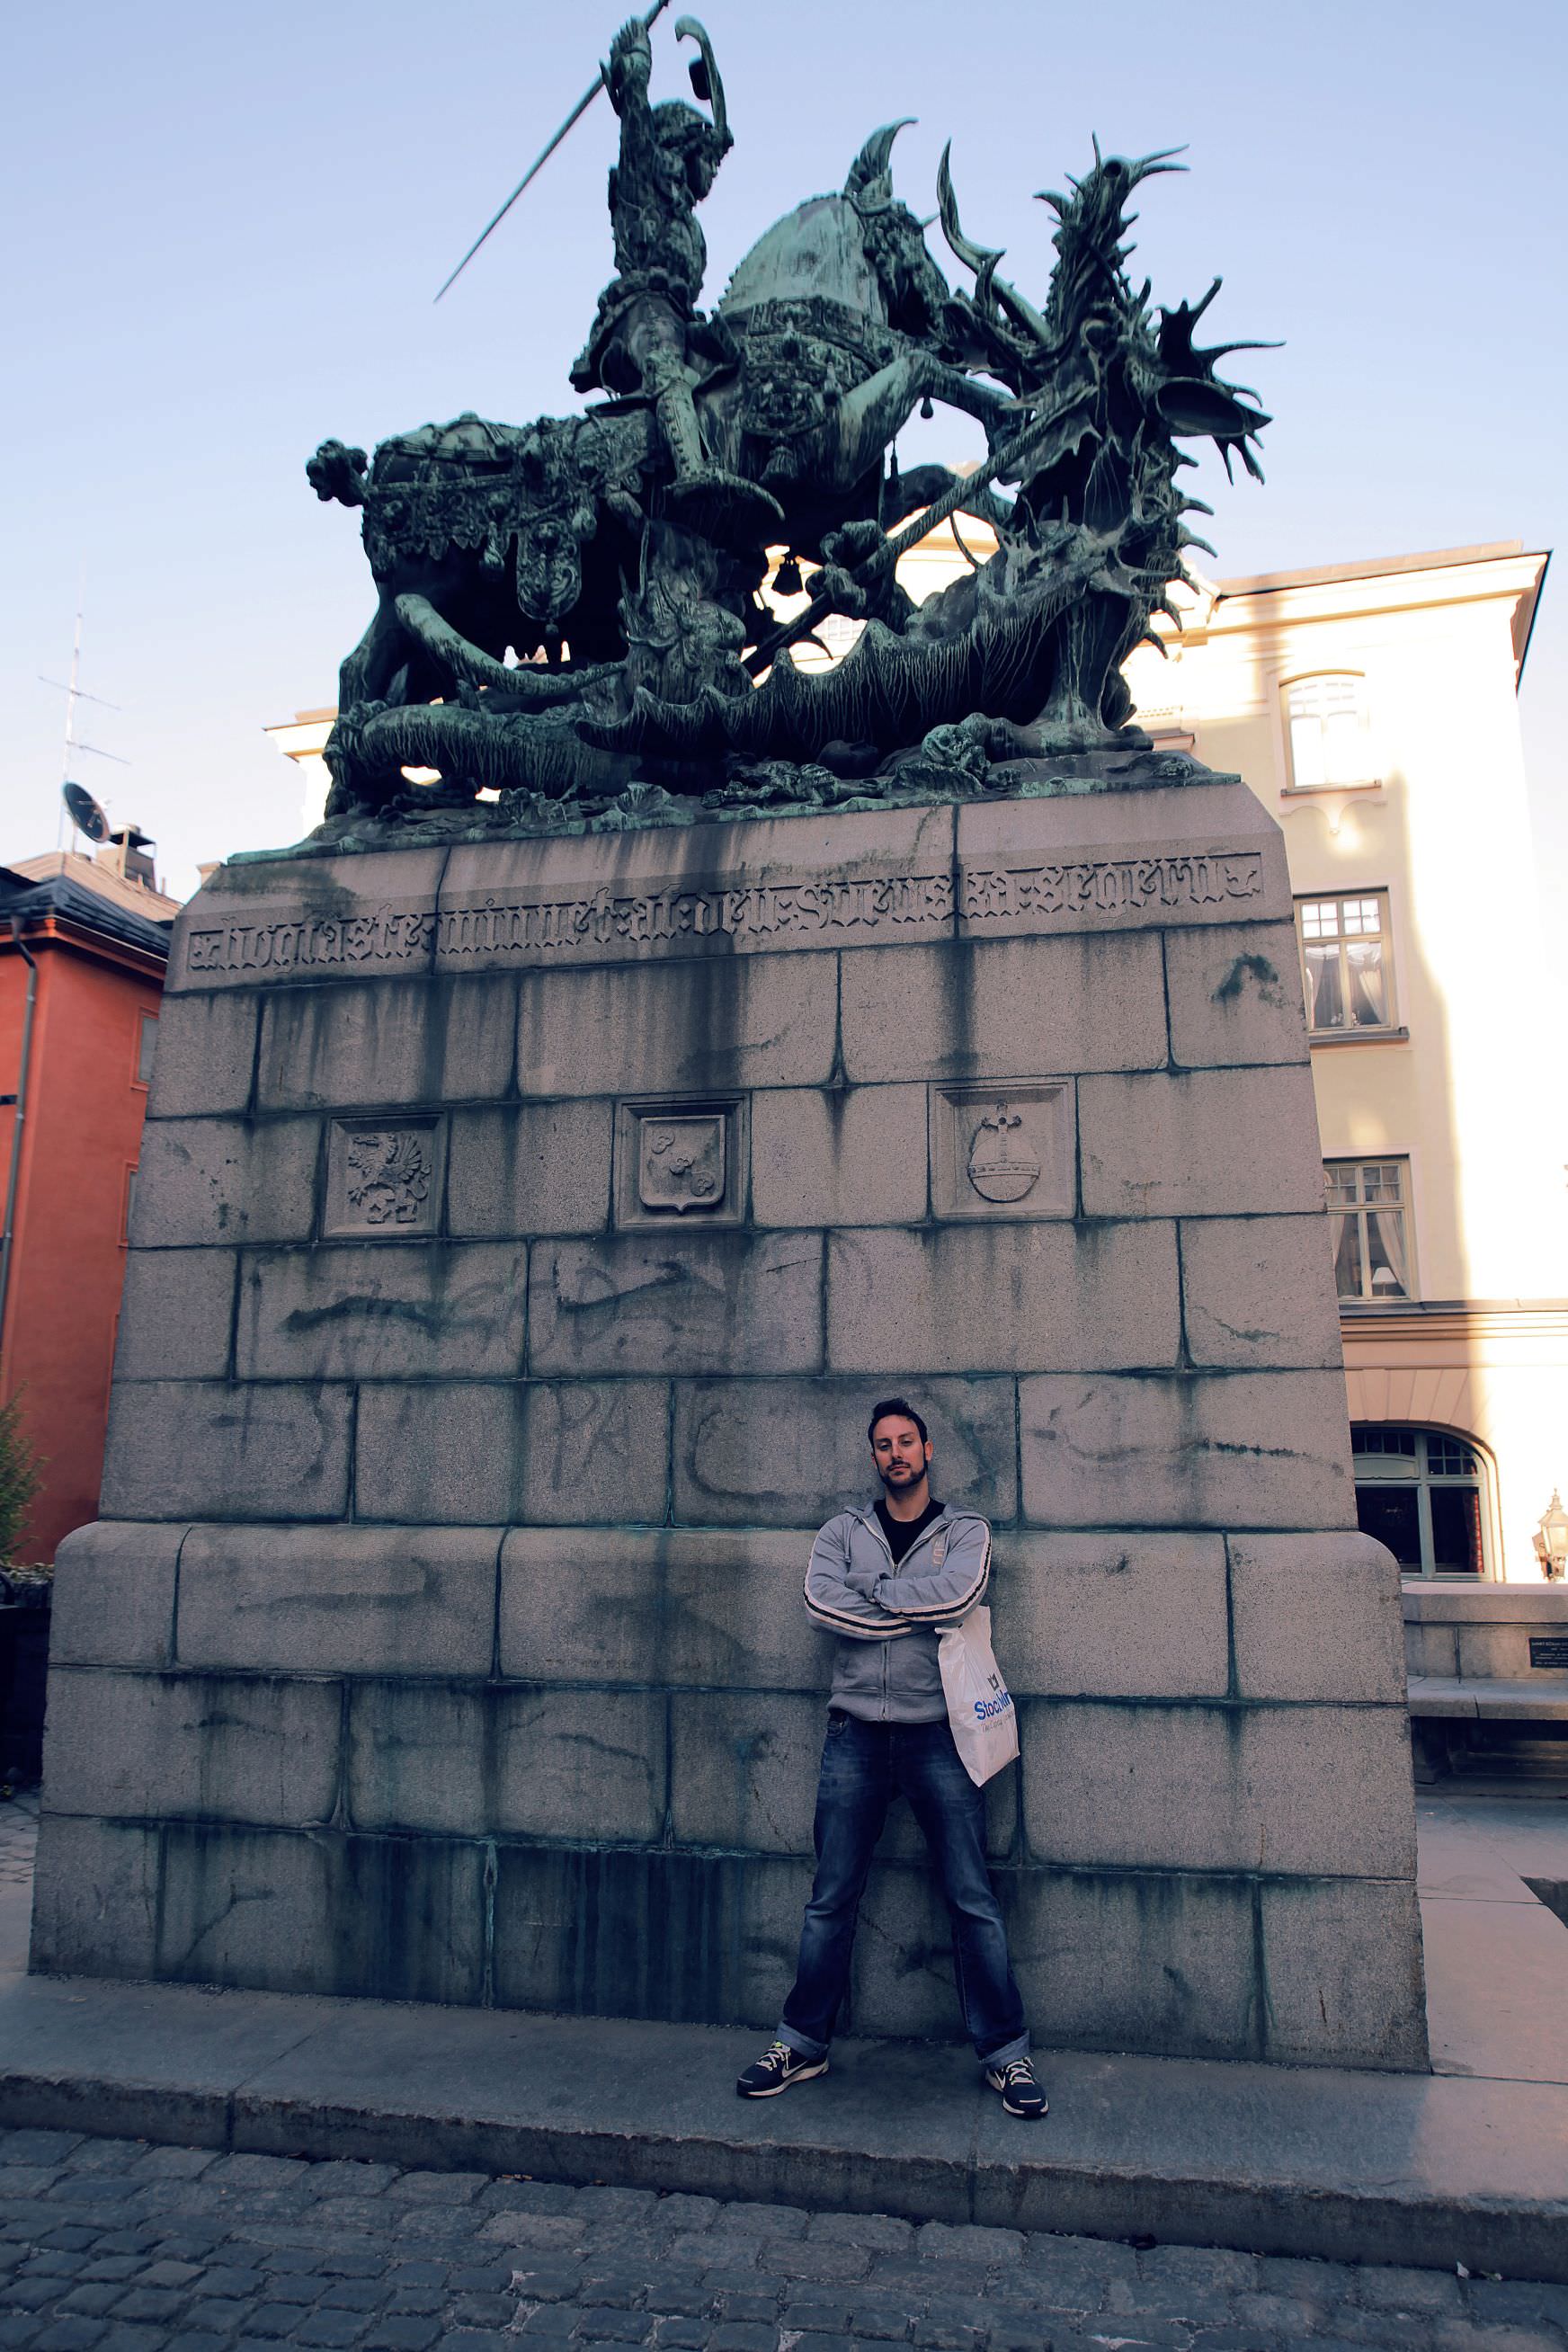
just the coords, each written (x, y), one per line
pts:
(979, 1706)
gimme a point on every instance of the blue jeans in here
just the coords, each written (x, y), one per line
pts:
(864, 1766)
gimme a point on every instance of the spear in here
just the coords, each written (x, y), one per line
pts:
(584, 104)
(1002, 462)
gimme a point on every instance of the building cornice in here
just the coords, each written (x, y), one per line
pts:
(52, 932)
(1279, 601)
(1374, 1334)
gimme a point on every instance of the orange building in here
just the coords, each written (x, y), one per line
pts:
(84, 942)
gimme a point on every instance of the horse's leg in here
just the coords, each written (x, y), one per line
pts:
(364, 675)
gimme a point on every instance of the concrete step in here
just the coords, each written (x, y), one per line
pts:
(1427, 2170)
(1497, 1700)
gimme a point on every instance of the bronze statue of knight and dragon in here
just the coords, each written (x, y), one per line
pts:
(619, 556)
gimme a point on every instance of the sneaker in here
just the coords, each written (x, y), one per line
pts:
(1021, 2094)
(775, 2070)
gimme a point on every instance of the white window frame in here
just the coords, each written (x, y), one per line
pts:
(1327, 688)
(1422, 1478)
(147, 1046)
(1361, 1209)
(1347, 933)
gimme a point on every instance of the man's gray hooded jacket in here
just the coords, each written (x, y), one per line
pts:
(887, 1619)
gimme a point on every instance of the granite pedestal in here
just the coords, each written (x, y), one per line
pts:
(522, 1235)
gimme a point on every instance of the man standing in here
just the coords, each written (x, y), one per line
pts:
(885, 1580)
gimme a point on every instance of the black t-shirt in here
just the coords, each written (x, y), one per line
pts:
(902, 1533)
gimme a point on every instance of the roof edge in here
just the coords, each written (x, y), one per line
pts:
(1376, 567)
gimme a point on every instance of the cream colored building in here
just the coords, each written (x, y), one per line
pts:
(1372, 708)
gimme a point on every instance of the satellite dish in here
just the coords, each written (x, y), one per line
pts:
(85, 813)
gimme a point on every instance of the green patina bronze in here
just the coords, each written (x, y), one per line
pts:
(621, 552)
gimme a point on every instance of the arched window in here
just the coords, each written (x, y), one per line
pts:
(1325, 720)
(1420, 1492)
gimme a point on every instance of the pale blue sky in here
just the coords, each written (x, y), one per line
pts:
(228, 226)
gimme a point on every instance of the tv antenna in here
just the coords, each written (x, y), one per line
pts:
(75, 693)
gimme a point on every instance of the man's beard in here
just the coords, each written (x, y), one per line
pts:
(901, 1474)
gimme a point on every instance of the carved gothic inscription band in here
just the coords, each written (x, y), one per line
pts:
(537, 929)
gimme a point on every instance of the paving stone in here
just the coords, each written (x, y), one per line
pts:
(355, 2295)
(815, 2309)
(550, 2323)
(484, 2310)
(167, 2272)
(880, 2323)
(173, 2163)
(1031, 2334)
(69, 2335)
(689, 2213)
(949, 2334)
(111, 2156)
(1482, 2335)
(96, 2193)
(1301, 2275)
(111, 2266)
(1390, 2331)
(1519, 2301)
(151, 2302)
(603, 2323)
(681, 2335)
(681, 2298)
(122, 2338)
(24, 2146)
(881, 2231)
(219, 2313)
(331, 2328)
(552, 2197)
(1209, 2266)
(185, 2245)
(196, 2340)
(1169, 2299)
(479, 2278)
(1286, 2314)
(617, 2204)
(549, 2282)
(417, 2301)
(811, 2259)
(743, 2335)
(401, 2333)
(1387, 2286)
(617, 2289)
(927, 2278)
(969, 2244)
(740, 2302)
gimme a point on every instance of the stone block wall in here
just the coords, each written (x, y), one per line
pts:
(521, 1238)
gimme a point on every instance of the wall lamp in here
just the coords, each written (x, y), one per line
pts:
(1550, 1539)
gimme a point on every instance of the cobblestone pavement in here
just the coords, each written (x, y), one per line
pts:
(115, 2246)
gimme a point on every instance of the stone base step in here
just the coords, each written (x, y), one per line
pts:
(1387, 2168)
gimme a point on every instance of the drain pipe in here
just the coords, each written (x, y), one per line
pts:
(19, 1100)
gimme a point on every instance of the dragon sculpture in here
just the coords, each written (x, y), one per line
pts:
(619, 555)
